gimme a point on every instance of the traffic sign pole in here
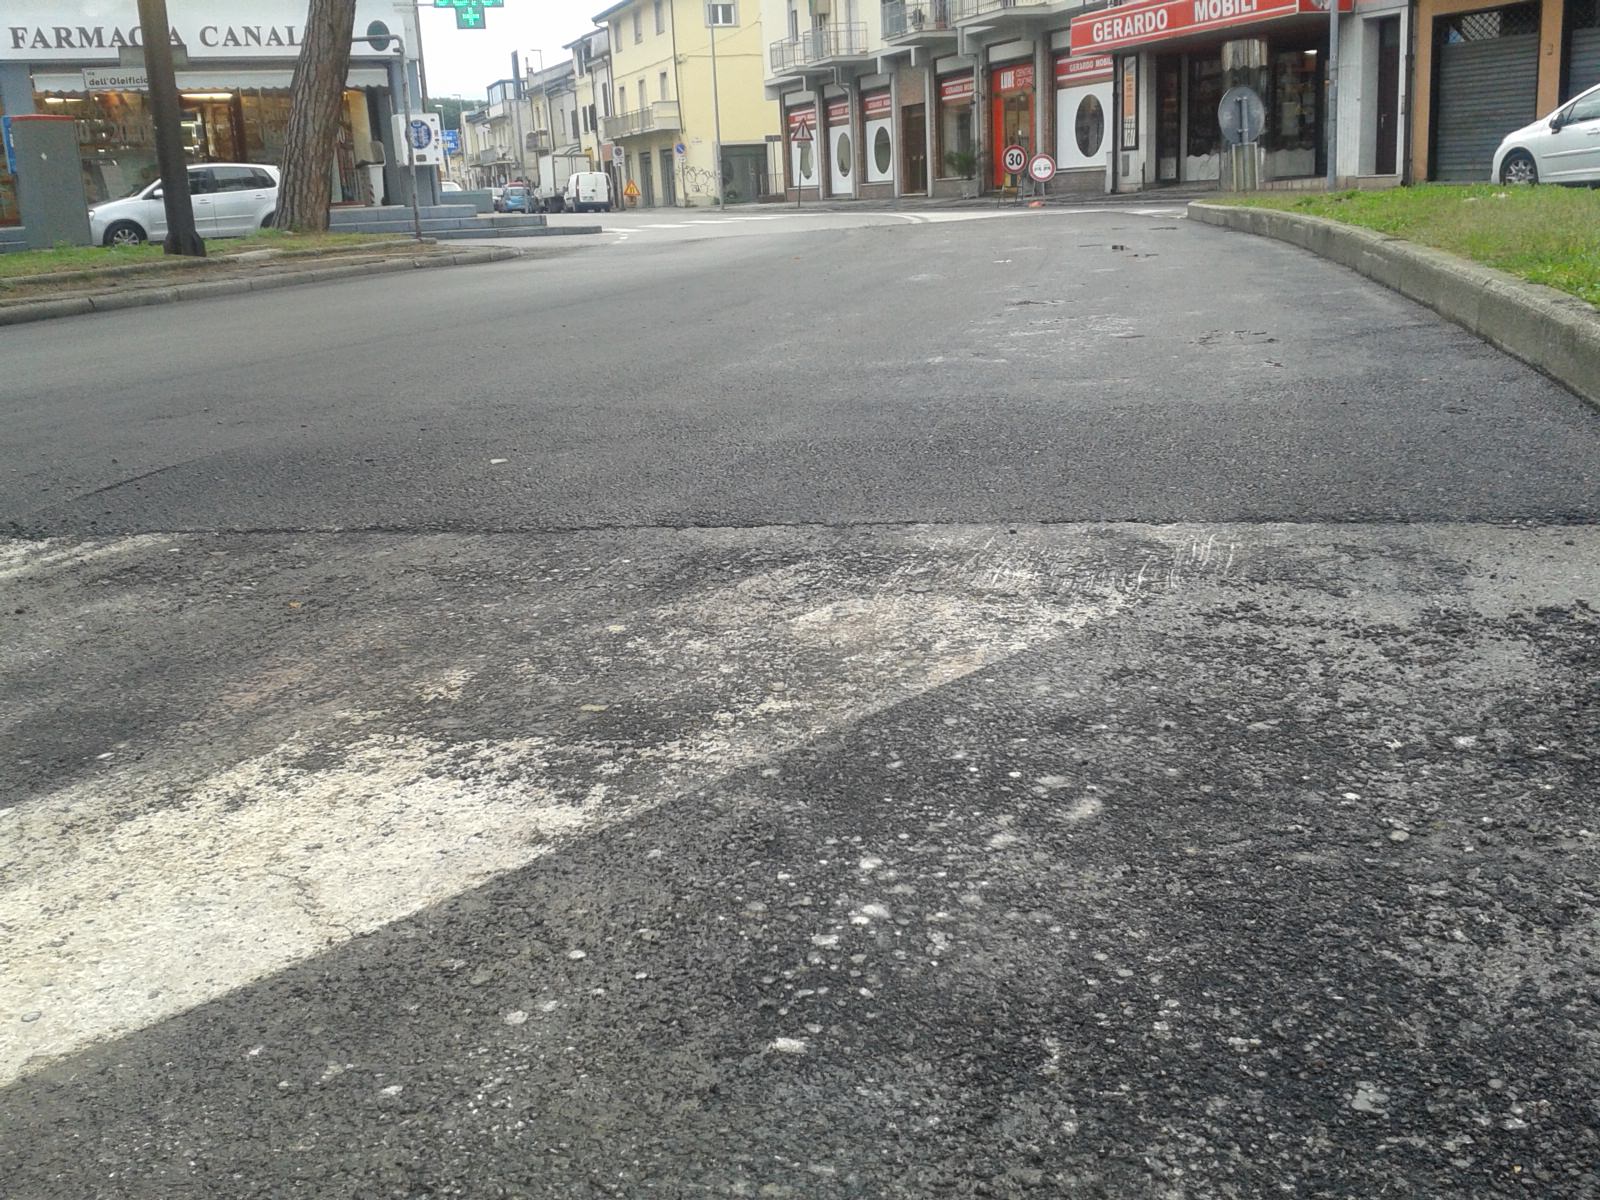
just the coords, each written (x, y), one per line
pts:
(800, 137)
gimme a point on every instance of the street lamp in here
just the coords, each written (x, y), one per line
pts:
(549, 114)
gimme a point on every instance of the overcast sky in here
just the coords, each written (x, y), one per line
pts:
(463, 62)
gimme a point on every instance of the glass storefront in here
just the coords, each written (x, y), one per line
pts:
(1293, 137)
(1286, 71)
(116, 136)
(955, 124)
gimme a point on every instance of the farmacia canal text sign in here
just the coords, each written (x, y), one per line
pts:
(99, 30)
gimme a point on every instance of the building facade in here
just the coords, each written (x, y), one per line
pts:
(591, 66)
(922, 97)
(493, 138)
(1483, 70)
(681, 71)
(236, 58)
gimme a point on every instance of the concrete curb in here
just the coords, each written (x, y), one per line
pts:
(124, 270)
(1549, 330)
(45, 310)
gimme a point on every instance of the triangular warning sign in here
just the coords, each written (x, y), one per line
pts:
(802, 133)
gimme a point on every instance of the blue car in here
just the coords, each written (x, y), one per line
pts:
(513, 199)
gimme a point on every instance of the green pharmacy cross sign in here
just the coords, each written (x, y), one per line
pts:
(469, 13)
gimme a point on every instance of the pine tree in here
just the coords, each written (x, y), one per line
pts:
(316, 95)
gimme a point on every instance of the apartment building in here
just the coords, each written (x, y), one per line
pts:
(687, 75)
(921, 97)
(591, 66)
(490, 137)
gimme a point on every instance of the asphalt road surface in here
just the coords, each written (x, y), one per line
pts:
(1000, 704)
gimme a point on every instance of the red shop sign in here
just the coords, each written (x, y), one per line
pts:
(957, 87)
(838, 112)
(876, 105)
(801, 116)
(1157, 20)
(1089, 69)
(1011, 79)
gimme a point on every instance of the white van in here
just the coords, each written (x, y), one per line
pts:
(588, 191)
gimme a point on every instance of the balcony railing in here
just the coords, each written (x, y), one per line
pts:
(907, 20)
(962, 10)
(660, 117)
(816, 46)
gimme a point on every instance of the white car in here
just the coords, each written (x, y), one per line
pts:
(230, 200)
(1561, 148)
(449, 185)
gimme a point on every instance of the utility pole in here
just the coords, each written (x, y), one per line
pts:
(716, 111)
(1332, 68)
(516, 114)
(182, 237)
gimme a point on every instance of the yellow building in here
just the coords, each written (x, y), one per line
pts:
(661, 68)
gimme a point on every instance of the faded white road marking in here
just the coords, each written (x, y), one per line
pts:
(114, 921)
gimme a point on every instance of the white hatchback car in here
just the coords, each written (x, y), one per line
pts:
(1561, 148)
(230, 200)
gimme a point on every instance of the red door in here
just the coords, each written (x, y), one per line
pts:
(1010, 116)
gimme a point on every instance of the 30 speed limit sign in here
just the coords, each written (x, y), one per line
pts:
(1014, 159)
(1042, 167)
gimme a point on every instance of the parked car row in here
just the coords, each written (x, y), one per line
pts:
(585, 191)
(236, 199)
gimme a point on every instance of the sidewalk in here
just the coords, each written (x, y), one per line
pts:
(40, 297)
(1164, 197)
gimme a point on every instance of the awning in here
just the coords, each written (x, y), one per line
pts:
(1142, 23)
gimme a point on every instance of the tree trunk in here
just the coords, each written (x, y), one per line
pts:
(316, 95)
(182, 236)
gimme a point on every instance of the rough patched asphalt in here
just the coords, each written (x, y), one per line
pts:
(1092, 861)
(815, 822)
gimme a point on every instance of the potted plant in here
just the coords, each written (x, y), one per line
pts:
(965, 164)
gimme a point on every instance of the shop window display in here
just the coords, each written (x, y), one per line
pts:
(1293, 113)
(116, 137)
(9, 213)
(1204, 133)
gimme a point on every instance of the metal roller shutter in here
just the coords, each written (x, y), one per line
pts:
(1486, 75)
(1583, 60)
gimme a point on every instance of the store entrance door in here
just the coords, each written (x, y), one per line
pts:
(669, 180)
(1011, 116)
(1169, 117)
(914, 141)
(1388, 106)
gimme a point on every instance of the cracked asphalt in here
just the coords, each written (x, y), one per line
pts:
(956, 709)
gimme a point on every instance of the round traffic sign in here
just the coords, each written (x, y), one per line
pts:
(1042, 167)
(1014, 159)
(1242, 115)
